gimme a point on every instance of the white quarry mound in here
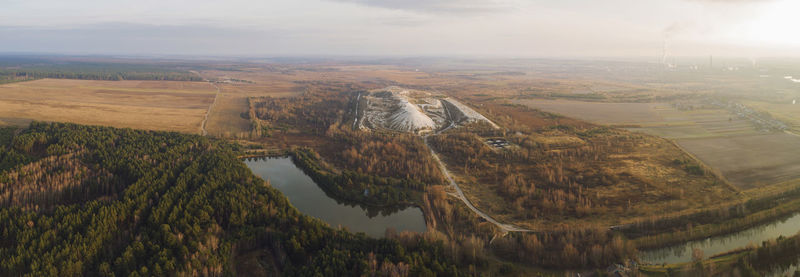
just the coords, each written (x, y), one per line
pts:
(408, 117)
(464, 114)
(404, 110)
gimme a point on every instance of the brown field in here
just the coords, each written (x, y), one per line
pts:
(750, 161)
(698, 123)
(150, 105)
(599, 112)
(660, 119)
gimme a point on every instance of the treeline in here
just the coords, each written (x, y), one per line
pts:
(16, 75)
(564, 248)
(774, 257)
(9, 157)
(186, 206)
(659, 231)
(22, 68)
(576, 248)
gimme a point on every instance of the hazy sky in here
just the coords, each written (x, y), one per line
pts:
(516, 28)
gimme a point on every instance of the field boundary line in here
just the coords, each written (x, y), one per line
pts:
(705, 166)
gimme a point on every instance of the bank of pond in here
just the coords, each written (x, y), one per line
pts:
(305, 195)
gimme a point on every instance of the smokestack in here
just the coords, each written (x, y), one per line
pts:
(710, 61)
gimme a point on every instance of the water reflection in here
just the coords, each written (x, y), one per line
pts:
(310, 199)
(711, 246)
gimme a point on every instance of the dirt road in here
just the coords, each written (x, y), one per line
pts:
(205, 118)
(203, 130)
(460, 195)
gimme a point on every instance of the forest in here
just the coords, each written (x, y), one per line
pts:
(16, 69)
(142, 203)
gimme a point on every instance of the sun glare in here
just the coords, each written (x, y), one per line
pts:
(776, 25)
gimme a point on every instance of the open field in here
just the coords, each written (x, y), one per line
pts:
(708, 122)
(750, 161)
(660, 119)
(599, 112)
(151, 105)
(226, 118)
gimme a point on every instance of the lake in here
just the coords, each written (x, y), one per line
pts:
(310, 199)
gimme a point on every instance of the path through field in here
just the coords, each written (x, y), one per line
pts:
(460, 195)
(203, 130)
(205, 118)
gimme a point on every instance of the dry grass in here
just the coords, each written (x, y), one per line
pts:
(750, 161)
(150, 105)
(655, 187)
(225, 119)
(660, 119)
(649, 181)
(599, 112)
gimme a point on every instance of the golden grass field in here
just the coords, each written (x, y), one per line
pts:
(150, 105)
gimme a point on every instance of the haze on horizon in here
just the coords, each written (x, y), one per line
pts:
(502, 28)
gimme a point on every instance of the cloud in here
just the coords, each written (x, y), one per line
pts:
(678, 27)
(732, 1)
(127, 38)
(435, 6)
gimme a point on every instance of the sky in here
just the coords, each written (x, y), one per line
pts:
(402, 28)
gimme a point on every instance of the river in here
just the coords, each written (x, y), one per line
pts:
(681, 253)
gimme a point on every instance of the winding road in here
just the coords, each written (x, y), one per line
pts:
(460, 195)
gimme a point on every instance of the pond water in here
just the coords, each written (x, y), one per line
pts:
(310, 199)
(715, 245)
